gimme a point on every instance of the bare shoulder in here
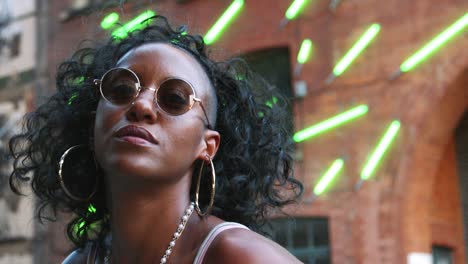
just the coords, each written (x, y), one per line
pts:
(77, 256)
(245, 246)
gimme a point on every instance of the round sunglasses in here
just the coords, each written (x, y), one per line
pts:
(174, 96)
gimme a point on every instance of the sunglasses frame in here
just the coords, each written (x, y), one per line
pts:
(139, 88)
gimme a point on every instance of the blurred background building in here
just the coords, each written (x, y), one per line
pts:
(379, 97)
(17, 76)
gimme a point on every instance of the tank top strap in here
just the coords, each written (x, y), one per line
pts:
(96, 252)
(92, 253)
(211, 236)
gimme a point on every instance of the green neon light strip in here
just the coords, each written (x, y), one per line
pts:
(76, 81)
(134, 24)
(330, 123)
(93, 227)
(434, 44)
(72, 98)
(91, 208)
(294, 9)
(358, 47)
(270, 104)
(272, 101)
(216, 30)
(328, 177)
(382, 147)
(304, 51)
(79, 226)
(109, 20)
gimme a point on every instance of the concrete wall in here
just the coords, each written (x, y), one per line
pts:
(16, 213)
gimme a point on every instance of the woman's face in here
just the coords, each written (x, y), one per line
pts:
(178, 140)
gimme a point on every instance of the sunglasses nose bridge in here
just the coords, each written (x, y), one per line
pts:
(152, 91)
(149, 88)
(142, 90)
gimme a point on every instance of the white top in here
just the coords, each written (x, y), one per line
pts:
(92, 256)
(211, 236)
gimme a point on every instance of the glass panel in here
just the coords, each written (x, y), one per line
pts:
(304, 259)
(300, 234)
(442, 255)
(281, 237)
(279, 232)
(321, 233)
(325, 260)
(305, 238)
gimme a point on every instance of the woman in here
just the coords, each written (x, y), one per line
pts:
(139, 128)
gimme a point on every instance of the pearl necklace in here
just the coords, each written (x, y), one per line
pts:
(177, 234)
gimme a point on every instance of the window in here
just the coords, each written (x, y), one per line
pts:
(15, 44)
(442, 255)
(306, 238)
(273, 64)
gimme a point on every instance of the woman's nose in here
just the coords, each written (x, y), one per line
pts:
(143, 108)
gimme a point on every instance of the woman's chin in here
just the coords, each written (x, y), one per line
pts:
(132, 170)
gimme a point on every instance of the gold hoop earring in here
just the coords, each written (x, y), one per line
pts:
(76, 185)
(213, 189)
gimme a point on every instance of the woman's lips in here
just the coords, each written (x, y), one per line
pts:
(136, 135)
(134, 140)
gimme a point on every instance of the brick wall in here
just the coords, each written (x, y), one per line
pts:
(446, 212)
(461, 139)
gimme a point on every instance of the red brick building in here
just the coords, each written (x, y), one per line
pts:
(416, 203)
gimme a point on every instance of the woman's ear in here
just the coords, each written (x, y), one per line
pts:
(211, 140)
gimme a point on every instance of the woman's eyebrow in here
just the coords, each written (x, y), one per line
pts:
(165, 75)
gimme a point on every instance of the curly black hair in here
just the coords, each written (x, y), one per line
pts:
(253, 163)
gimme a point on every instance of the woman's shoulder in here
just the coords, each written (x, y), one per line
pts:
(77, 256)
(239, 245)
(81, 255)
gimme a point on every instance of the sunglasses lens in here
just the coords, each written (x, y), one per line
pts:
(174, 96)
(119, 86)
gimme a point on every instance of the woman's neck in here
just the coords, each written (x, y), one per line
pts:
(144, 218)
